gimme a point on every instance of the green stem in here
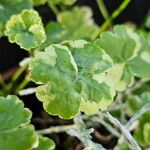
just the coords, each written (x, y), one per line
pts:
(111, 18)
(22, 84)
(53, 8)
(18, 73)
(4, 87)
(16, 76)
(2, 81)
(103, 9)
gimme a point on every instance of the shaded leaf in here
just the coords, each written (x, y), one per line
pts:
(9, 8)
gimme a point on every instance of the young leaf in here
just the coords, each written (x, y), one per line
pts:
(122, 45)
(142, 134)
(71, 83)
(135, 103)
(11, 7)
(15, 130)
(45, 144)
(26, 29)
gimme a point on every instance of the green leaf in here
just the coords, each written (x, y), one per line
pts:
(74, 81)
(72, 25)
(142, 134)
(135, 103)
(26, 29)
(122, 46)
(92, 65)
(14, 120)
(140, 65)
(45, 144)
(57, 68)
(9, 8)
(62, 2)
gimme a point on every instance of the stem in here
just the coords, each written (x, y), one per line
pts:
(119, 101)
(139, 113)
(135, 87)
(27, 91)
(106, 125)
(3, 83)
(111, 18)
(125, 132)
(18, 73)
(22, 84)
(83, 134)
(53, 8)
(15, 77)
(103, 9)
(56, 129)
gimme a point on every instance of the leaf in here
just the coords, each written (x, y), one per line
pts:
(9, 8)
(71, 25)
(26, 29)
(142, 134)
(74, 81)
(77, 29)
(62, 2)
(135, 103)
(45, 144)
(14, 120)
(122, 46)
(57, 68)
(140, 65)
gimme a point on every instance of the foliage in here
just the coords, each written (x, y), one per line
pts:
(15, 124)
(9, 8)
(80, 72)
(71, 79)
(26, 29)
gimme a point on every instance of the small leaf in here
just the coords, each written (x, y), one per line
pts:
(135, 103)
(140, 65)
(14, 120)
(45, 144)
(71, 25)
(26, 29)
(122, 46)
(9, 8)
(142, 134)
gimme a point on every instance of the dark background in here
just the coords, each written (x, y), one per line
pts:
(10, 54)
